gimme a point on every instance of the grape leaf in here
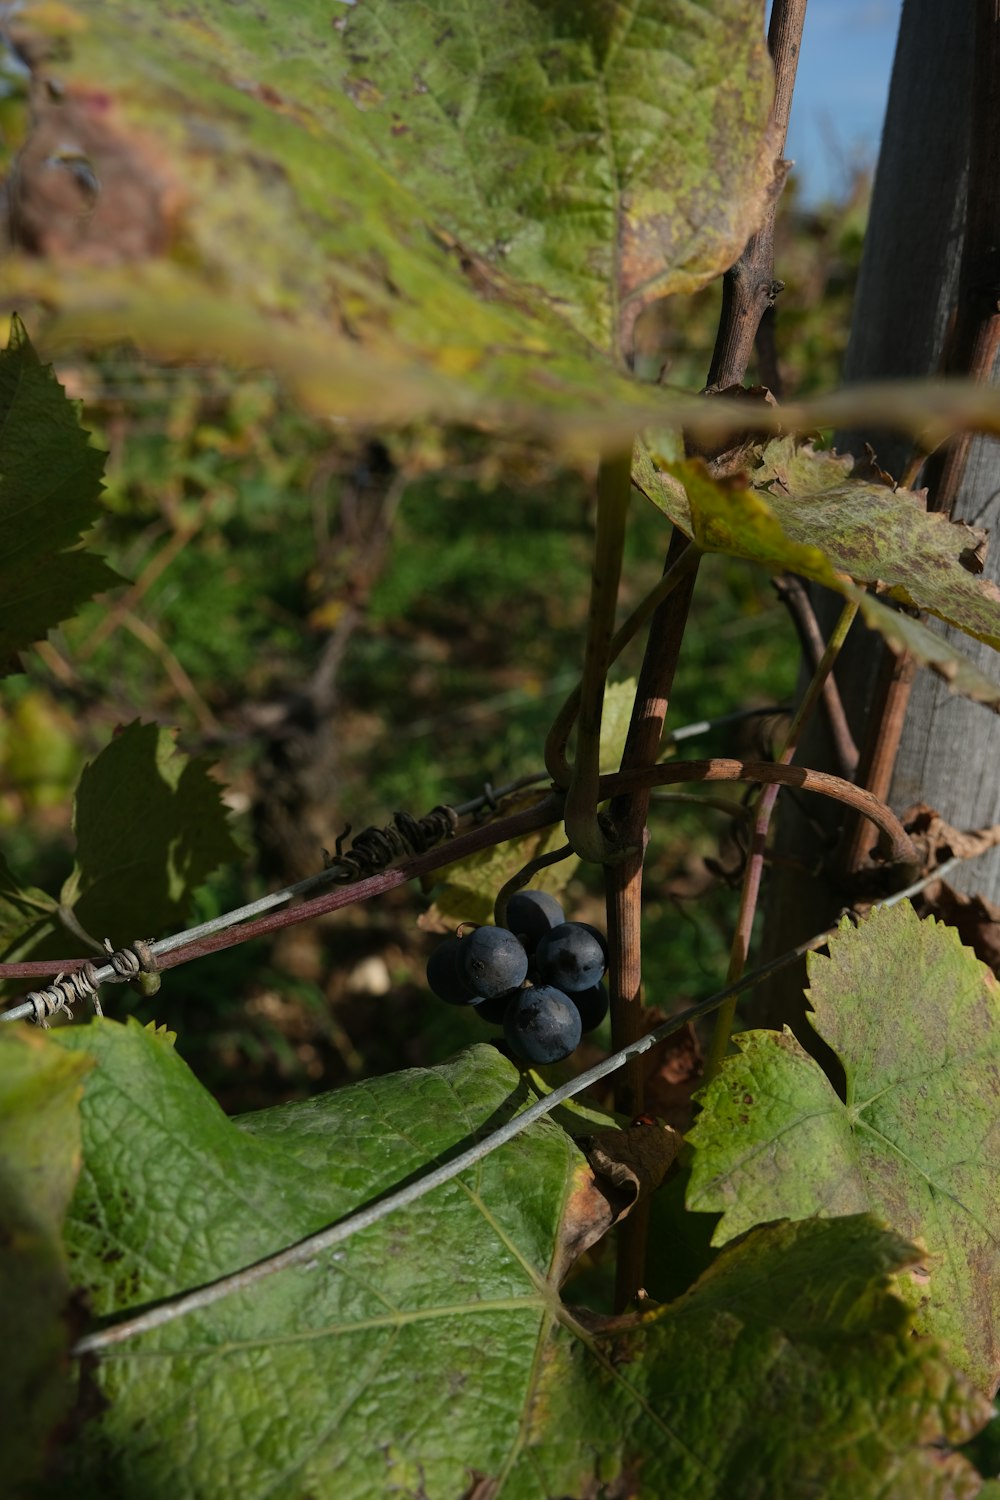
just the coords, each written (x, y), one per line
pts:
(913, 1017)
(410, 209)
(40, 1090)
(50, 480)
(150, 827)
(433, 1349)
(820, 537)
(904, 633)
(880, 535)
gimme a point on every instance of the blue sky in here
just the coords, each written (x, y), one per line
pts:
(840, 91)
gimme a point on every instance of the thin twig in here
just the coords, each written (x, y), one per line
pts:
(750, 891)
(183, 685)
(623, 888)
(306, 1251)
(795, 597)
(520, 880)
(487, 799)
(887, 717)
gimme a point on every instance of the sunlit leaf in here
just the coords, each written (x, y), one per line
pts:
(831, 541)
(915, 1020)
(880, 535)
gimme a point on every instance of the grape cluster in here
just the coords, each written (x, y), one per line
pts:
(539, 977)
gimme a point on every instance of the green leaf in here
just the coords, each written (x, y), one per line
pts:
(605, 155)
(150, 827)
(40, 1089)
(913, 1017)
(409, 209)
(50, 481)
(616, 716)
(434, 1347)
(724, 515)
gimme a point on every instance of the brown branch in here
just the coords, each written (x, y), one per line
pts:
(754, 871)
(878, 754)
(749, 287)
(895, 842)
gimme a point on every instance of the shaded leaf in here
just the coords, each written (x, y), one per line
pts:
(412, 210)
(50, 481)
(150, 827)
(913, 1017)
(434, 1345)
(40, 1090)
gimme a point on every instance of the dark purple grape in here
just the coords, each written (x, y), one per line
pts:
(492, 961)
(531, 914)
(493, 1011)
(592, 1005)
(572, 956)
(445, 977)
(542, 1025)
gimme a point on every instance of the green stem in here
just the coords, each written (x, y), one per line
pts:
(614, 486)
(750, 892)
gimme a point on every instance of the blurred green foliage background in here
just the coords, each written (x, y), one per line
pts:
(344, 642)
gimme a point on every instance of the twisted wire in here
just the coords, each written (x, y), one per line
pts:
(83, 983)
(375, 849)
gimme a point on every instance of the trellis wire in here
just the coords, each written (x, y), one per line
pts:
(305, 1252)
(390, 842)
